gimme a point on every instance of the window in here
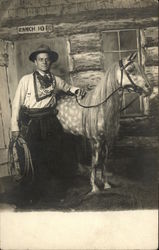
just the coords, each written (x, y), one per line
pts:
(118, 44)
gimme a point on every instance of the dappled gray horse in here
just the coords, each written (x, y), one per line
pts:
(97, 115)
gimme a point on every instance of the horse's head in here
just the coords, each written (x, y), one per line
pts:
(132, 77)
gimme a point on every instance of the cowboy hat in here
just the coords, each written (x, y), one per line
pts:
(44, 49)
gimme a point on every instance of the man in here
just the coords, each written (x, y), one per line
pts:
(34, 111)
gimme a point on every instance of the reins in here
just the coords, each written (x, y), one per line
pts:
(122, 109)
(135, 88)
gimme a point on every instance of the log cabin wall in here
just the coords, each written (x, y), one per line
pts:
(149, 43)
(80, 24)
(86, 59)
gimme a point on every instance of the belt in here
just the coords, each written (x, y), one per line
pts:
(38, 112)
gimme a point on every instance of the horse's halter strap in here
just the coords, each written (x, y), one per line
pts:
(133, 85)
(136, 88)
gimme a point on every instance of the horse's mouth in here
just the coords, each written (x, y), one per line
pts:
(147, 92)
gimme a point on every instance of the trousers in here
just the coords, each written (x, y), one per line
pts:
(43, 132)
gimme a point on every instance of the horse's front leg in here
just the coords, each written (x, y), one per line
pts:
(104, 159)
(95, 160)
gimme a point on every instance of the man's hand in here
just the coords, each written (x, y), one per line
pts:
(80, 92)
(15, 135)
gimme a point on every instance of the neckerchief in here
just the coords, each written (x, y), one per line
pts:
(44, 85)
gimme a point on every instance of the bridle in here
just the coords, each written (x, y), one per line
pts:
(128, 87)
(133, 86)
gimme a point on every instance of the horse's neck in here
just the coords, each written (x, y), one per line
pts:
(109, 83)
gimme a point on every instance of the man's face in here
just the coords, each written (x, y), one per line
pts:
(43, 62)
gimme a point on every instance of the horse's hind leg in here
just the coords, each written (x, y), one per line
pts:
(95, 160)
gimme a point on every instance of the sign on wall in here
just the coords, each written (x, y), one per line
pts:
(42, 28)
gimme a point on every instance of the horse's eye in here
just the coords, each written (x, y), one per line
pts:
(131, 69)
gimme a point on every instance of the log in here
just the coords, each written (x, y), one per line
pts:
(151, 36)
(88, 77)
(151, 56)
(28, 8)
(102, 25)
(82, 5)
(152, 74)
(87, 61)
(138, 141)
(139, 126)
(83, 24)
(78, 5)
(85, 43)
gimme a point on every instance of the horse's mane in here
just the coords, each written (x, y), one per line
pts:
(102, 120)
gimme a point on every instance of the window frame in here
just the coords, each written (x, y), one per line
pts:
(138, 49)
(126, 112)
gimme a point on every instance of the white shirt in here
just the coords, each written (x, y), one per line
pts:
(25, 95)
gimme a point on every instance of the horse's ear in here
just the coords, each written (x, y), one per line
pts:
(132, 56)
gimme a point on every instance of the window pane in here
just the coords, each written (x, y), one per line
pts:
(128, 40)
(134, 108)
(110, 58)
(110, 41)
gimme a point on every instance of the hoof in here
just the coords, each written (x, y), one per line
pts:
(107, 186)
(95, 189)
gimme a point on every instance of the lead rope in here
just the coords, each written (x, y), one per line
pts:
(96, 105)
(122, 109)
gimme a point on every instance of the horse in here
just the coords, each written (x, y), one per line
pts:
(96, 116)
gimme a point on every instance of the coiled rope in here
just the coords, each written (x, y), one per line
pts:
(20, 169)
